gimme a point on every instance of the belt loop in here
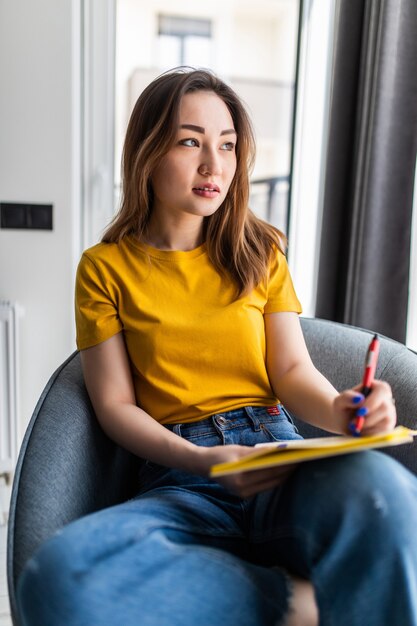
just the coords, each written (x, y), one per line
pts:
(253, 418)
(177, 429)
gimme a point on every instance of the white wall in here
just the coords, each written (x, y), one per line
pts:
(36, 165)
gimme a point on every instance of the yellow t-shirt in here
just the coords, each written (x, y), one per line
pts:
(195, 350)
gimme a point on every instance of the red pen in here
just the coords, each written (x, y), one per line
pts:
(357, 423)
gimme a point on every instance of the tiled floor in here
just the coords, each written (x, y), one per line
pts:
(5, 619)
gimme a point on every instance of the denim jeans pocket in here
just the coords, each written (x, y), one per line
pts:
(276, 423)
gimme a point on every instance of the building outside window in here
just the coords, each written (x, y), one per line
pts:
(183, 41)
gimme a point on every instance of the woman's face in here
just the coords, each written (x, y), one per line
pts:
(195, 175)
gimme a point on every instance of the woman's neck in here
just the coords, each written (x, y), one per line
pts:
(165, 236)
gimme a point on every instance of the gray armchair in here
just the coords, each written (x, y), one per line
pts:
(67, 466)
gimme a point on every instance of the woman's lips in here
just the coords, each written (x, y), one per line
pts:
(206, 191)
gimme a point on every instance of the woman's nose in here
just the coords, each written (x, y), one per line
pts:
(210, 166)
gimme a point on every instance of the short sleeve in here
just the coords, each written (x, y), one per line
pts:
(281, 292)
(96, 315)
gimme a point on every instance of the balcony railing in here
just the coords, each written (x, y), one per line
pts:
(269, 200)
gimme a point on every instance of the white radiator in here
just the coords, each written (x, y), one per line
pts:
(9, 388)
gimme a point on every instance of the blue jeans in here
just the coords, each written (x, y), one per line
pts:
(186, 552)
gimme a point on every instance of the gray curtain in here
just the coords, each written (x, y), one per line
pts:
(366, 230)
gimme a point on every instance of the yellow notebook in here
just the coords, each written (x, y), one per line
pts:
(296, 451)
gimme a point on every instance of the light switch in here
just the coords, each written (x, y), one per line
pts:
(27, 216)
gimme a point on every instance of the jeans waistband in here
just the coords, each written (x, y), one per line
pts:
(256, 416)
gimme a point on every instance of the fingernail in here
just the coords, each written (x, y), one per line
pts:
(352, 427)
(358, 398)
(362, 411)
(353, 430)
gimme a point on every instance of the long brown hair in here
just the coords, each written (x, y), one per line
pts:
(238, 243)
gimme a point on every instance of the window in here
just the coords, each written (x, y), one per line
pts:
(313, 101)
(183, 41)
(250, 45)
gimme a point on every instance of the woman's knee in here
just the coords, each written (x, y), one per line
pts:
(359, 473)
(369, 489)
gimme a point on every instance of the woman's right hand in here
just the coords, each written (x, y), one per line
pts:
(243, 484)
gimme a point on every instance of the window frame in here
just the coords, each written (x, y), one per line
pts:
(312, 107)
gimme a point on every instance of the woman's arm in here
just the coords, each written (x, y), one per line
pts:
(307, 393)
(108, 378)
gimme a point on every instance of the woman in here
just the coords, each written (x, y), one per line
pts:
(187, 322)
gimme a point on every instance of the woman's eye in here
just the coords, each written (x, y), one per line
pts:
(191, 143)
(229, 145)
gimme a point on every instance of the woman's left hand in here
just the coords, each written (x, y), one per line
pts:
(378, 408)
